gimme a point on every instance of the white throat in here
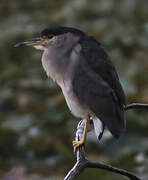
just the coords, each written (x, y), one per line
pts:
(39, 47)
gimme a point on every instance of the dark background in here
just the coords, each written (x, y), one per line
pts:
(36, 127)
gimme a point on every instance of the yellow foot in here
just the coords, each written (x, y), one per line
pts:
(76, 144)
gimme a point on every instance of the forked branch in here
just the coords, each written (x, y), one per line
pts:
(83, 162)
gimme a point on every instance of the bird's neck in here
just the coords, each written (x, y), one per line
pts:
(55, 67)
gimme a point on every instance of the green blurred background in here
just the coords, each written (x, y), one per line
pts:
(36, 127)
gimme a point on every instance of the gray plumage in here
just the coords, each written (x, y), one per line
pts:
(87, 77)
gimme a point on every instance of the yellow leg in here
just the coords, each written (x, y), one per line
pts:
(76, 144)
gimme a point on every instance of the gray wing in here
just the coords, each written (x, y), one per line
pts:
(99, 61)
(98, 95)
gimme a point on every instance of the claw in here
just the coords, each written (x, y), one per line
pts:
(76, 144)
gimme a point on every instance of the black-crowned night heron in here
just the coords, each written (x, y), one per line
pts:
(87, 77)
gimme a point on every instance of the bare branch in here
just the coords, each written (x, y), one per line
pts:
(83, 163)
(113, 169)
(136, 106)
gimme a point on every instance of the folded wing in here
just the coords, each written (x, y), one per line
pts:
(99, 92)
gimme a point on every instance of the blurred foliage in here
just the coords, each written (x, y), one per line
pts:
(36, 127)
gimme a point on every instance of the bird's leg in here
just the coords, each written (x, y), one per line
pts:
(76, 144)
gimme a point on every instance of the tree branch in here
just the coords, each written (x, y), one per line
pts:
(136, 106)
(83, 162)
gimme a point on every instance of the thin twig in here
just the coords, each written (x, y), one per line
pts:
(83, 163)
(136, 106)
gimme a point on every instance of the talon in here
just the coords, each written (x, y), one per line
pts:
(77, 144)
(74, 143)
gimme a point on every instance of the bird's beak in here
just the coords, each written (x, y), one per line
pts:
(32, 42)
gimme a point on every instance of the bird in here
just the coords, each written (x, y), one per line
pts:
(79, 64)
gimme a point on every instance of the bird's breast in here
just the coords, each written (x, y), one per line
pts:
(60, 68)
(53, 68)
(76, 107)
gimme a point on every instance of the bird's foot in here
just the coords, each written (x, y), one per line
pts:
(77, 144)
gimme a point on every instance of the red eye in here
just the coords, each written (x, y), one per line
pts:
(50, 36)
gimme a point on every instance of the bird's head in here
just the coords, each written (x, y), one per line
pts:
(47, 35)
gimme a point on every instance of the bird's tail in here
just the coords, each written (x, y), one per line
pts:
(98, 127)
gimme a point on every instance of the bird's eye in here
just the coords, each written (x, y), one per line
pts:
(50, 36)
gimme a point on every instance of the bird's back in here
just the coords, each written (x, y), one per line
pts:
(100, 62)
(96, 83)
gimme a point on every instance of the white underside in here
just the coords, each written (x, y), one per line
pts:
(80, 110)
(98, 126)
(77, 109)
